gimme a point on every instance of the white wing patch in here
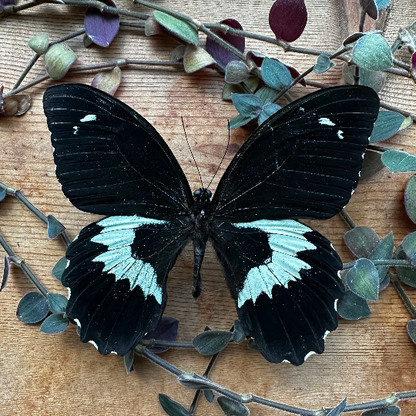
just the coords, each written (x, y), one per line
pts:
(286, 239)
(326, 121)
(118, 235)
(88, 117)
(340, 134)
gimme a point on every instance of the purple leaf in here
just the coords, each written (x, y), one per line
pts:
(6, 3)
(167, 330)
(287, 19)
(101, 27)
(414, 61)
(220, 54)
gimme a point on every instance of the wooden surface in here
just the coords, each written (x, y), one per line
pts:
(45, 374)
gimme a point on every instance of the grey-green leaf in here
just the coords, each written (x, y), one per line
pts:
(128, 360)
(181, 29)
(361, 241)
(32, 308)
(388, 123)
(2, 194)
(410, 198)
(241, 120)
(352, 307)
(57, 302)
(267, 111)
(171, 407)
(59, 268)
(373, 52)
(384, 411)
(231, 407)
(209, 395)
(397, 161)
(54, 227)
(267, 95)
(362, 279)
(247, 105)
(372, 164)
(337, 410)
(384, 251)
(193, 381)
(211, 342)
(409, 247)
(411, 330)
(323, 63)
(238, 333)
(405, 274)
(275, 74)
(373, 79)
(236, 72)
(54, 323)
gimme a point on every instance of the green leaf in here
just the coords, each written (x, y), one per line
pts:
(405, 274)
(267, 111)
(178, 53)
(32, 308)
(407, 122)
(251, 83)
(361, 241)
(352, 307)
(384, 411)
(362, 279)
(57, 303)
(39, 43)
(247, 105)
(337, 410)
(54, 323)
(54, 227)
(409, 247)
(179, 28)
(196, 58)
(171, 407)
(323, 63)
(275, 74)
(372, 52)
(58, 59)
(238, 333)
(267, 95)
(388, 123)
(231, 407)
(410, 198)
(240, 120)
(236, 72)
(211, 342)
(372, 164)
(209, 395)
(397, 161)
(384, 251)
(59, 268)
(128, 361)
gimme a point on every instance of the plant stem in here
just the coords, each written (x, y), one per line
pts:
(387, 262)
(347, 219)
(403, 295)
(23, 266)
(398, 110)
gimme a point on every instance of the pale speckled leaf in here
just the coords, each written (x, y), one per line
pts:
(236, 72)
(323, 63)
(397, 161)
(373, 52)
(108, 81)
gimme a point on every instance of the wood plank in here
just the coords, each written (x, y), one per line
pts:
(57, 374)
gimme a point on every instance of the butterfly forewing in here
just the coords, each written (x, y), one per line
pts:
(303, 162)
(116, 275)
(109, 159)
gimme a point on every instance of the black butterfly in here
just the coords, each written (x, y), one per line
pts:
(303, 162)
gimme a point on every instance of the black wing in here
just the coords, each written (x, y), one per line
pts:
(283, 276)
(109, 159)
(116, 276)
(303, 162)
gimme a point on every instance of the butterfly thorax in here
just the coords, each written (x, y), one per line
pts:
(200, 215)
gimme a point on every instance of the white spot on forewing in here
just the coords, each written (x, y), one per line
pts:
(340, 134)
(76, 128)
(118, 235)
(325, 121)
(286, 239)
(88, 117)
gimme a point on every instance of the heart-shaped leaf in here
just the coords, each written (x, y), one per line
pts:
(388, 123)
(323, 63)
(373, 52)
(397, 161)
(108, 81)
(275, 74)
(361, 241)
(166, 330)
(54, 323)
(384, 251)
(55, 227)
(362, 279)
(57, 303)
(236, 72)
(59, 268)
(248, 105)
(179, 28)
(409, 247)
(196, 58)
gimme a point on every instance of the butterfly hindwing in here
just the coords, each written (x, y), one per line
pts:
(303, 162)
(283, 276)
(109, 159)
(116, 275)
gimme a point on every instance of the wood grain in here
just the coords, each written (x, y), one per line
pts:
(45, 375)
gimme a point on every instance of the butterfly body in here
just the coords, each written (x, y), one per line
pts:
(304, 162)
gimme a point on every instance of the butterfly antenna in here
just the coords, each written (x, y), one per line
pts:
(223, 156)
(192, 153)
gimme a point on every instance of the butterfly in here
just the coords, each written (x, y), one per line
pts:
(302, 163)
